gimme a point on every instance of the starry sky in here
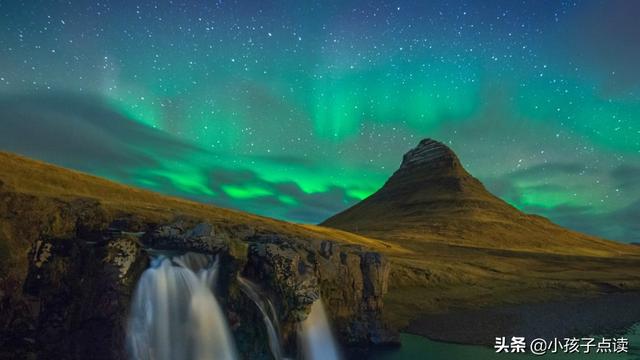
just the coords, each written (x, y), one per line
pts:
(299, 109)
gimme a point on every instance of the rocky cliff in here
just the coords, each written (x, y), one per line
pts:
(72, 256)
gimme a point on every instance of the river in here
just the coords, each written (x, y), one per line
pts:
(418, 347)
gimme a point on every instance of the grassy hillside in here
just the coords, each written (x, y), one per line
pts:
(432, 198)
(427, 276)
(465, 247)
(39, 199)
(22, 175)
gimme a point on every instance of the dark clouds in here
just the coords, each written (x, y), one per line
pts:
(620, 223)
(82, 132)
(627, 177)
(303, 106)
(304, 207)
(552, 169)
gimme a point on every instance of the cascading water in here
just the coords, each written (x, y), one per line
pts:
(269, 315)
(315, 337)
(175, 314)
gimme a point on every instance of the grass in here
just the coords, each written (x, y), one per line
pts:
(428, 275)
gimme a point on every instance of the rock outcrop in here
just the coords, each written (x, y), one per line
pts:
(351, 280)
(82, 291)
(82, 263)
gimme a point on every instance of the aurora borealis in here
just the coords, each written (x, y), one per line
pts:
(298, 109)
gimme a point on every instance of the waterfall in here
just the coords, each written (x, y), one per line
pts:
(315, 337)
(269, 315)
(175, 314)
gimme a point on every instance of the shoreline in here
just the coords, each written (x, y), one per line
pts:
(607, 314)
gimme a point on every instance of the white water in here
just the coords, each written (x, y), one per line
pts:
(175, 314)
(268, 315)
(316, 339)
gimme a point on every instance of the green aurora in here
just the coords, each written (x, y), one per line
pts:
(296, 111)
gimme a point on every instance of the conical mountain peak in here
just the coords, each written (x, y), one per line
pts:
(429, 153)
(431, 198)
(432, 192)
(433, 166)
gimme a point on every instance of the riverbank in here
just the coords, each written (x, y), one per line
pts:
(606, 314)
(418, 347)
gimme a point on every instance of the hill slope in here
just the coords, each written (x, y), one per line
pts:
(432, 269)
(48, 185)
(431, 197)
(73, 246)
(467, 249)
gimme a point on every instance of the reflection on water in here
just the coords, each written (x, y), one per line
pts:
(418, 347)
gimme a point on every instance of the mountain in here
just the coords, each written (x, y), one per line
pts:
(432, 198)
(438, 249)
(454, 247)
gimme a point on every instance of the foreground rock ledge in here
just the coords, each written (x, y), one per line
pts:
(79, 284)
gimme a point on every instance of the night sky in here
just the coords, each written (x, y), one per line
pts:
(298, 109)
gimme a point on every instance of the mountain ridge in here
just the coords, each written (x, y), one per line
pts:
(431, 197)
(426, 274)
